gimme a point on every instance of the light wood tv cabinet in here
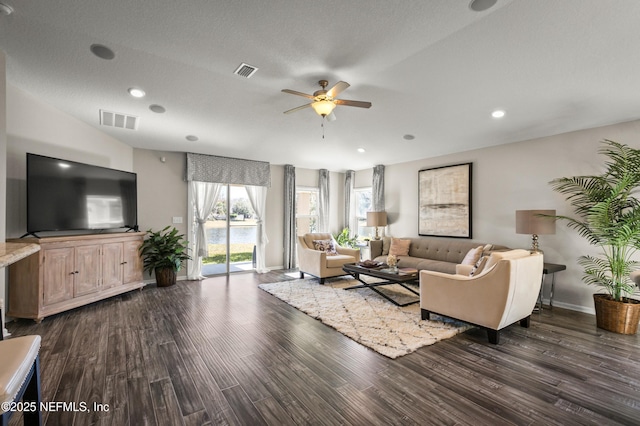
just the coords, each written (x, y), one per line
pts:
(72, 271)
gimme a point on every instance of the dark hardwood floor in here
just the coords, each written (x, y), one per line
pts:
(222, 351)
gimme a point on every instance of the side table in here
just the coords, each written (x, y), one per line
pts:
(549, 268)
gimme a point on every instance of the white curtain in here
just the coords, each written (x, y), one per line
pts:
(204, 197)
(323, 201)
(258, 197)
(350, 203)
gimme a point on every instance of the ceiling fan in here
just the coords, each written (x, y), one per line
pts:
(324, 101)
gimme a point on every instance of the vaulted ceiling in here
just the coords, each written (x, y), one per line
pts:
(433, 69)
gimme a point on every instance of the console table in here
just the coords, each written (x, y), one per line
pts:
(549, 268)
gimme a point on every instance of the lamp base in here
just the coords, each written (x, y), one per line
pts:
(534, 245)
(377, 236)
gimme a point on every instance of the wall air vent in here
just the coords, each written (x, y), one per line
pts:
(245, 70)
(119, 120)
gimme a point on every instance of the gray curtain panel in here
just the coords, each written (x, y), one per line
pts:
(377, 190)
(323, 201)
(349, 202)
(289, 217)
(212, 168)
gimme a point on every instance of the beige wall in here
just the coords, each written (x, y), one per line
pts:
(514, 177)
(162, 191)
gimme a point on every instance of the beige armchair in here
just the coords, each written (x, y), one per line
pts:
(318, 263)
(506, 291)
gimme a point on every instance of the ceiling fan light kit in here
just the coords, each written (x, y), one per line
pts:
(324, 101)
(323, 107)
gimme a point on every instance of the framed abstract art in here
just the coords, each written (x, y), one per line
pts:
(444, 201)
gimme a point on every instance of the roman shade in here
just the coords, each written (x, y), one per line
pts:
(236, 171)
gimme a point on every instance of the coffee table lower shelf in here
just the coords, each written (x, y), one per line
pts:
(389, 279)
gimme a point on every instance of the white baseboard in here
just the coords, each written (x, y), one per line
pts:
(571, 307)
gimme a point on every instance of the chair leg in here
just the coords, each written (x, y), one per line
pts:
(426, 315)
(494, 336)
(525, 322)
(32, 394)
(321, 280)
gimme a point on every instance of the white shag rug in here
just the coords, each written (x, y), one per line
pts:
(366, 317)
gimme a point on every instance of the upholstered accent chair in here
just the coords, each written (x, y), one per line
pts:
(322, 264)
(20, 377)
(504, 292)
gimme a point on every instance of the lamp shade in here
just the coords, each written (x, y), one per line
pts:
(323, 108)
(376, 218)
(533, 222)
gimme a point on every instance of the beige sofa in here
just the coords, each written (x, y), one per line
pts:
(318, 263)
(430, 253)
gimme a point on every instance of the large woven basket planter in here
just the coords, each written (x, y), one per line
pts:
(166, 277)
(619, 317)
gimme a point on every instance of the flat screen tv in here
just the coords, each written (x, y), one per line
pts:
(65, 195)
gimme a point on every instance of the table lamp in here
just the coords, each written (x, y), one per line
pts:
(376, 219)
(535, 222)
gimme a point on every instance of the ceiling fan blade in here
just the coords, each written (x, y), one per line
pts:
(359, 104)
(295, 92)
(331, 117)
(337, 89)
(297, 108)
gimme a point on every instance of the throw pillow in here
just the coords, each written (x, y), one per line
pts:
(399, 247)
(479, 266)
(386, 244)
(472, 256)
(326, 246)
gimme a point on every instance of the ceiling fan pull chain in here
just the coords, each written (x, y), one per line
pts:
(322, 125)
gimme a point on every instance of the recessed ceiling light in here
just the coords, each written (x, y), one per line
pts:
(481, 5)
(136, 93)
(361, 150)
(497, 113)
(157, 108)
(408, 137)
(192, 138)
(102, 51)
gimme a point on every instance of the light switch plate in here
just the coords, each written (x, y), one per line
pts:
(177, 219)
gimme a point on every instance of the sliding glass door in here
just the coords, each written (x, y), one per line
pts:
(231, 233)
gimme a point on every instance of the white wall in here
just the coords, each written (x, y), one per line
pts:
(35, 127)
(514, 177)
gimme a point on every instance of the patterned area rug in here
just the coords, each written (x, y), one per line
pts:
(364, 316)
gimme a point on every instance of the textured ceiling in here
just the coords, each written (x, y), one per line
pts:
(432, 68)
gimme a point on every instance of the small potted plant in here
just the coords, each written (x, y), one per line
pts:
(163, 253)
(344, 240)
(607, 214)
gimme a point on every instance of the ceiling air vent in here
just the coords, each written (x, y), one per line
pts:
(119, 120)
(245, 70)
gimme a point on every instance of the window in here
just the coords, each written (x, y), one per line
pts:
(306, 210)
(363, 205)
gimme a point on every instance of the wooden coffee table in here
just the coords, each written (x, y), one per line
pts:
(383, 273)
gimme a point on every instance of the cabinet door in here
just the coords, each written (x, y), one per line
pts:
(132, 262)
(111, 265)
(88, 270)
(58, 275)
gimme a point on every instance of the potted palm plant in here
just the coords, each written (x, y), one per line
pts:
(607, 214)
(163, 252)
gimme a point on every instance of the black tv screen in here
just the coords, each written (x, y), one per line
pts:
(64, 195)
